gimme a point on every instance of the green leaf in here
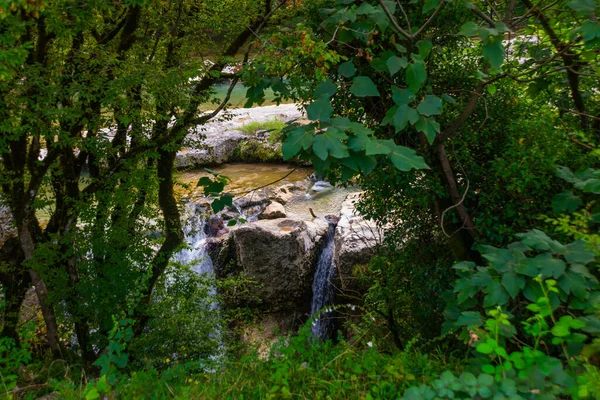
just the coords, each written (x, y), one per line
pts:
(359, 142)
(416, 75)
(493, 51)
(577, 252)
(365, 163)
(431, 105)
(565, 202)
(496, 295)
(424, 47)
(375, 147)
(346, 69)
(584, 7)
(320, 109)
(395, 64)
(400, 119)
(589, 30)
(560, 330)
(92, 394)
(326, 88)
(469, 29)
(448, 99)
(298, 139)
(363, 86)
(430, 5)
(402, 96)
(429, 126)
(484, 348)
(491, 89)
(330, 143)
(513, 283)
(406, 159)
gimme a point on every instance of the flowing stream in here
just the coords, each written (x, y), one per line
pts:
(323, 289)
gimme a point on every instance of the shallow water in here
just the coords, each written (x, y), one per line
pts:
(246, 176)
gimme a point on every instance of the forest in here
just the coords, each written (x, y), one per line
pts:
(299, 199)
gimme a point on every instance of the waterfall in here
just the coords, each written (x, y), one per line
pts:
(323, 289)
(195, 253)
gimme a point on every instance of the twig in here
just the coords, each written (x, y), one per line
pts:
(268, 184)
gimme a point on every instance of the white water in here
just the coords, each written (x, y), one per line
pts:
(323, 289)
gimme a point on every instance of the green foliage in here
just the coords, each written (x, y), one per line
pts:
(273, 127)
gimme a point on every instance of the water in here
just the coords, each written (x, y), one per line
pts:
(323, 288)
(195, 254)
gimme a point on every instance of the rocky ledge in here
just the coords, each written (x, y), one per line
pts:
(221, 139)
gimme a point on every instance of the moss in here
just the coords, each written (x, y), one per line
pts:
(257, 151)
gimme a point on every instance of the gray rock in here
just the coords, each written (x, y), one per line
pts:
(355, 241)
(216, 141)
(280, 255)
(273, 211)
(284, 193)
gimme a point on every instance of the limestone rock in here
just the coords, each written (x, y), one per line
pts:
(216, 141)
(273, 211)
(280, 255)
(355, 240)
(284, 193)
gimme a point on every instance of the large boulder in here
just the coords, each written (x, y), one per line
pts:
(355, 241)
(280, 256)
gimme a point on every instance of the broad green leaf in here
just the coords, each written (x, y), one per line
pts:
(448, 99)
(589, 30)
(584, 7)
(92, 394)
(377, 146)
(402, 96)
(484, 348)
(395, 64)
(365, 163)
(491, 89)
(493, 51)
(431, 105)
(424, 47)
(429, 127)
(346, 69)
(330, 143)
(560, 330)
(400, 119)
(326, 88)
(365, 9)
(577, 252)
(416, 75)
(496, 295)
(430, 5)
(469, 29)
(406, 159)
(565, 202)
(363, 86)
(513, 283)
(359, 142)
(320, 109)
(470, 319)
(298, 139)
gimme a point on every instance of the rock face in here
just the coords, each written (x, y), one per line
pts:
(280, 255)
(355, 241)
(273, 211)
(216, 141)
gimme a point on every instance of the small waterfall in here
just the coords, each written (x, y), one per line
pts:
(195, 253)
(323, 289)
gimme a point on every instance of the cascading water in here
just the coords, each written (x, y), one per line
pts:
(323, 289)
(195, 254)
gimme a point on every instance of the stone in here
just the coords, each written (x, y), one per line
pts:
(280, 256)
(284, 193)
(355, 241)
(273, 211)
(216, 141)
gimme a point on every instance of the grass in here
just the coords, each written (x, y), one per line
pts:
(274, 126)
